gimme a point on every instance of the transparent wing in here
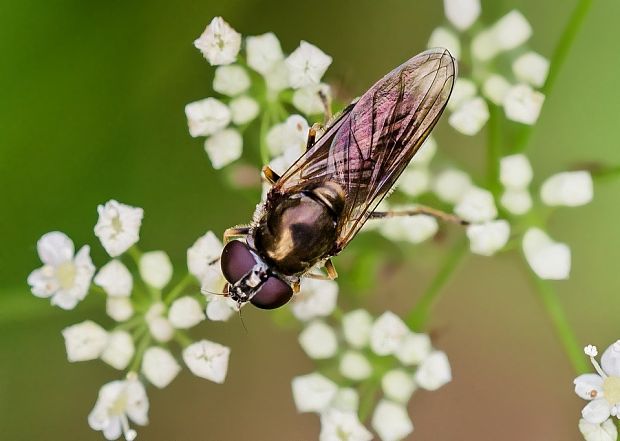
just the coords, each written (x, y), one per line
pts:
(369, 146)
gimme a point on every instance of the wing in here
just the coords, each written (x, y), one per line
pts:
(369, 146)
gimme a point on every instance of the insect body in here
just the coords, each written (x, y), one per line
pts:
(320, 203)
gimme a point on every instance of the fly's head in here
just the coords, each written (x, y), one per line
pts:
(250, 279)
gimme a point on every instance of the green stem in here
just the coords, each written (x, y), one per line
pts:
(140, 350)
(494, 149)
(264, 124)
(419, 315)
(562, 328)
(178, 289)
(557, 61)
(182, 338)
(368, 395)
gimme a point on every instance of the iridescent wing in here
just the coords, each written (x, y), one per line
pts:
(371, 143)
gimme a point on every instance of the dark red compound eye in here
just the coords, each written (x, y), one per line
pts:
(272, 294)
(237, 260)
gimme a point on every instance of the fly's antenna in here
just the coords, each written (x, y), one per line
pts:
(242, 322)
(225, 294)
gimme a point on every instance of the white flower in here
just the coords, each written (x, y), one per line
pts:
(231, 80)
(462, 13)
(470, 117)
(442, 37)
(356, 327)
(63, 277)
(434, 371)
(603, 388)
(511, 30)
(531, 68)
(415, 229)
(355, 366)
(571, 189)
(203, 254)
(277, 79)
(318, 340)
(464, 90)
(425, 154)
(523, 104)
(316, 298)
(159, 326)
(451, 184)
(548, 259)
(495, 88)
(313, 392)
(515, 171)
(485, 46)
(159, 366)
(119, 350)
(119, 402)
(516, 201)
(489, 237)
(220, 308)
(306, 65)
(84, 341)
(206, 117)
(263, 52)
(118, 226)
(476, 205)
(413, 349)
(391, 421)
(119, 308)
(308, 100)
(243, 109)
(185, 312)
(291, 133)
(219, 43)
(155, 268)
(598, 432)
(224, 147)
(398, 385)
(347, 400)
(337, 425)
(387, 334)
(115, 279)
(207, 359)
(414, 181)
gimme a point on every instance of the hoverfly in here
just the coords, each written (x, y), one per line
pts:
(320, 203)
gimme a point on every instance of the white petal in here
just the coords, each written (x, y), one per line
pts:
(155, 268)
(161, 329)
(185, 312)
(84, 341)
(484, 45)
(523, 104)
(55, 248)
(337, 425)
(391, 421)
(159, 366)
(442, 37)
(511, 30)
(115, 279)
(231, 80)
(42, 282)
(277, 78)
(206, 117)
(588, 386)
(571, 189)
(495, 88)
(356, 327)
(308, 100)
(208, 360)
(119, 350)
(476, 205)
(531, 68)
(414, 181)
(316, 298)
(596, 411)
(387, 334)
(398, 385)
(220, 308)
(263, 52)
(488, 238)
(313, 392)
(219, 43)
(224, 147)
(470, 117)
(347, 400)
(355, 366)
(434, 371)
(462, 13)
(243, 109)
(515, 171)
(451, 184)
(119, 308)
(306, 65)
(516, 201)
(293, 133)
(548, 259)
(318, 340)
(118, 226)
(203, 253)
(598, 432)
(463, 91)
(413, 349)
(610, 360)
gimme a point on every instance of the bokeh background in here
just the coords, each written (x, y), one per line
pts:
(91, 108)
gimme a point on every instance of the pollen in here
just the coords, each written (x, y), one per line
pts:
(611, 390)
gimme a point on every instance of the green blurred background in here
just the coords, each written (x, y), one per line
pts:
(91, 108)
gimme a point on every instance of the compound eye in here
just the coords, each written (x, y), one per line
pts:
(236, 261)
(272, 294)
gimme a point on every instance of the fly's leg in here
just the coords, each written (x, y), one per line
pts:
(271, 176)
(327, 107)
(331, 272)
(296, 287)
(235, 233)
(420, 209)
(316, 127)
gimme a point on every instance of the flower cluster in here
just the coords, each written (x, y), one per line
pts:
(148, 314)
(260, 80)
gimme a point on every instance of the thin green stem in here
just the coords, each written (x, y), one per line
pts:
(368, 395)
(494, 149)
(418, 317)
(140, 350)
(557, 61)
(562, 328)
(182, 338)
(264, 124)
(178, 289)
